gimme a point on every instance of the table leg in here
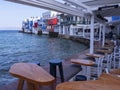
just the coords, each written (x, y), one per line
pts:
(20, 84)
(119, 63)
(88, 72)
(36, 87)
(84, 70)
(31, 86)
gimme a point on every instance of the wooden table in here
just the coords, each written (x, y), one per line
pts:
(33, 74)
(98, 60)
(105, 47)
(86, 63)
(104, 51)
(109, 46)
(108, 56)
(83, 62)
(105, 82)
(94, 55)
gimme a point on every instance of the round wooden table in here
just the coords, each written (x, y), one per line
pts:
(94, 55)
(98, 60)
(33, 74)
(105, 82)
(104, 51)
(86, 65)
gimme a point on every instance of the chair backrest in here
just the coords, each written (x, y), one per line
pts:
(107, 71)
(116, 51)
(99, 62)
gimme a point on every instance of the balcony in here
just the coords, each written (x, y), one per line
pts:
(68, 22)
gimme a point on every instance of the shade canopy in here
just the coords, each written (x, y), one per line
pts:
(78, 7)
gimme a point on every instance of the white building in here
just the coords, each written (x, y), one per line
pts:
(49, 14)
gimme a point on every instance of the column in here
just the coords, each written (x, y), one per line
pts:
(59, 29)
(74, 18)
(83, 31)
(63, 30)
(118, 29)
(103, 35)
(92, 35)
(71, 30)
(100, 32)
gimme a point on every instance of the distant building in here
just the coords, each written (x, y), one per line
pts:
(51, 22)
(30, 25)
(42, 24)
(62, 24)
(71, 25)
(49, 14)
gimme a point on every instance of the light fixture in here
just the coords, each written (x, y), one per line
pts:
(108, 7)
(101, 17)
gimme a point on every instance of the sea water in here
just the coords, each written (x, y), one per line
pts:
(20, 47)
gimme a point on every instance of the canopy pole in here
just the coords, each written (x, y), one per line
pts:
(92, 35)
(83, 32)
(103, 38)
(59, 29)
(71, 30)
(100, 32)
(63, 30)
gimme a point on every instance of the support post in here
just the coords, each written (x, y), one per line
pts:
(63, 30)
(83, 32)
(71, 30)
(92, 35)
(100, 32)
(103, 35)
(59, 29)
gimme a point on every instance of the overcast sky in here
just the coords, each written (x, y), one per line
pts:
(12, 14)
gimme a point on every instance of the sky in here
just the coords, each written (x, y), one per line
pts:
(12, 14)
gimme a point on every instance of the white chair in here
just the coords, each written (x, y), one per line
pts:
(115, 72)
(107, 61)
(97, 68)
(107, 71)
(116, 57)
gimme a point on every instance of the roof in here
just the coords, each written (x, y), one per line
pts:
(99, 8)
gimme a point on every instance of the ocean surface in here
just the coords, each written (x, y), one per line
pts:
(20, 47)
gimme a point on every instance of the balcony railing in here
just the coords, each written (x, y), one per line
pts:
(73, 22)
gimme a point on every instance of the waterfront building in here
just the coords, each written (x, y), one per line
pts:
(49, 14)
(42, 25)
(51, 22)
(35, 25)
(27, 25)
(76, 26)
(39, 26)
(68, 22)
(30, 25)
(62, 24)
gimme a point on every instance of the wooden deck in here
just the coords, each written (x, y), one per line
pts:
(13, 85)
